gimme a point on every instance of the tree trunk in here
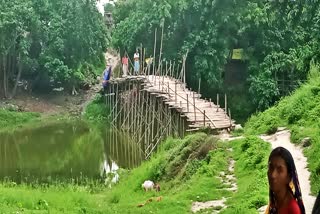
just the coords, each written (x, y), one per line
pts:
(14, 90)
(5, 87)
(1, 77)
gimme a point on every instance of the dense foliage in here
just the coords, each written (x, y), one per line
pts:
(279, 38)
(45, 41)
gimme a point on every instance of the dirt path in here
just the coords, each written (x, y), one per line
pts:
(282, 138)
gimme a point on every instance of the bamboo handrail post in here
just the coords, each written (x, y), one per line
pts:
(175, 92)
(187, 102)
(154, 53)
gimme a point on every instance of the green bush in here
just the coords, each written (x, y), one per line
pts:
(266, 122)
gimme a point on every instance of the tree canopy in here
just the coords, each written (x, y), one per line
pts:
(49, 40)
(278, 38)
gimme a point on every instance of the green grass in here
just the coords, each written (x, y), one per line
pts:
(97, 111)
(251, 155)
(12, 119)
(300, 112)
(55, 199)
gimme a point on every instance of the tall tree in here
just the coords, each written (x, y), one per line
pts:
(59, 40)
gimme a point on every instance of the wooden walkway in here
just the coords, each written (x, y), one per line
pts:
(198, 112)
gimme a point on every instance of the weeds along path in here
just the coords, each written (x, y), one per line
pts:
(228, 180)
(282, 138)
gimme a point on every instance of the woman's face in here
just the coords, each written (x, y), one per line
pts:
(278, 174)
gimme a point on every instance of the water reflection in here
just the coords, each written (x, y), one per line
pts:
(63, 151)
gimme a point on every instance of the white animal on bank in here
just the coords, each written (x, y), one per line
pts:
(147, 185)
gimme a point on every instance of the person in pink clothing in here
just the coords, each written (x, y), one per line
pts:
(125, 65)
(284, 188)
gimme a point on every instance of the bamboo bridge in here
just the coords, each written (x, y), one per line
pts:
(151, 108)
(156, 104)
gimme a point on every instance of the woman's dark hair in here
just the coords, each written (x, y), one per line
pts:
(287, 157)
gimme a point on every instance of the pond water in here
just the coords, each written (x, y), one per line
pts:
(64, 151)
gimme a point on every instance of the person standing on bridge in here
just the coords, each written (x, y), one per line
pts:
(125, 65)
(284, 188)
(106, 77)
(136, 62)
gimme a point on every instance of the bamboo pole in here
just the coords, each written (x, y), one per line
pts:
(135, 126)
(172, 69)
(161, 43)
(153, 122)
(147, 128)
(177, 73)
(175, 92)
(150, 124)
(143, 61)
(128, 112)
(187, 102)
(194, 107)
(116, 139)
(140, 59)
(138, 117)
(112, 133)
(154, 51)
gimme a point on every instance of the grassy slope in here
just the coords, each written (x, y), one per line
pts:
(300, 112)
(182, 176)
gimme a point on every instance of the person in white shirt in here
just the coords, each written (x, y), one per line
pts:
(136, 62)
